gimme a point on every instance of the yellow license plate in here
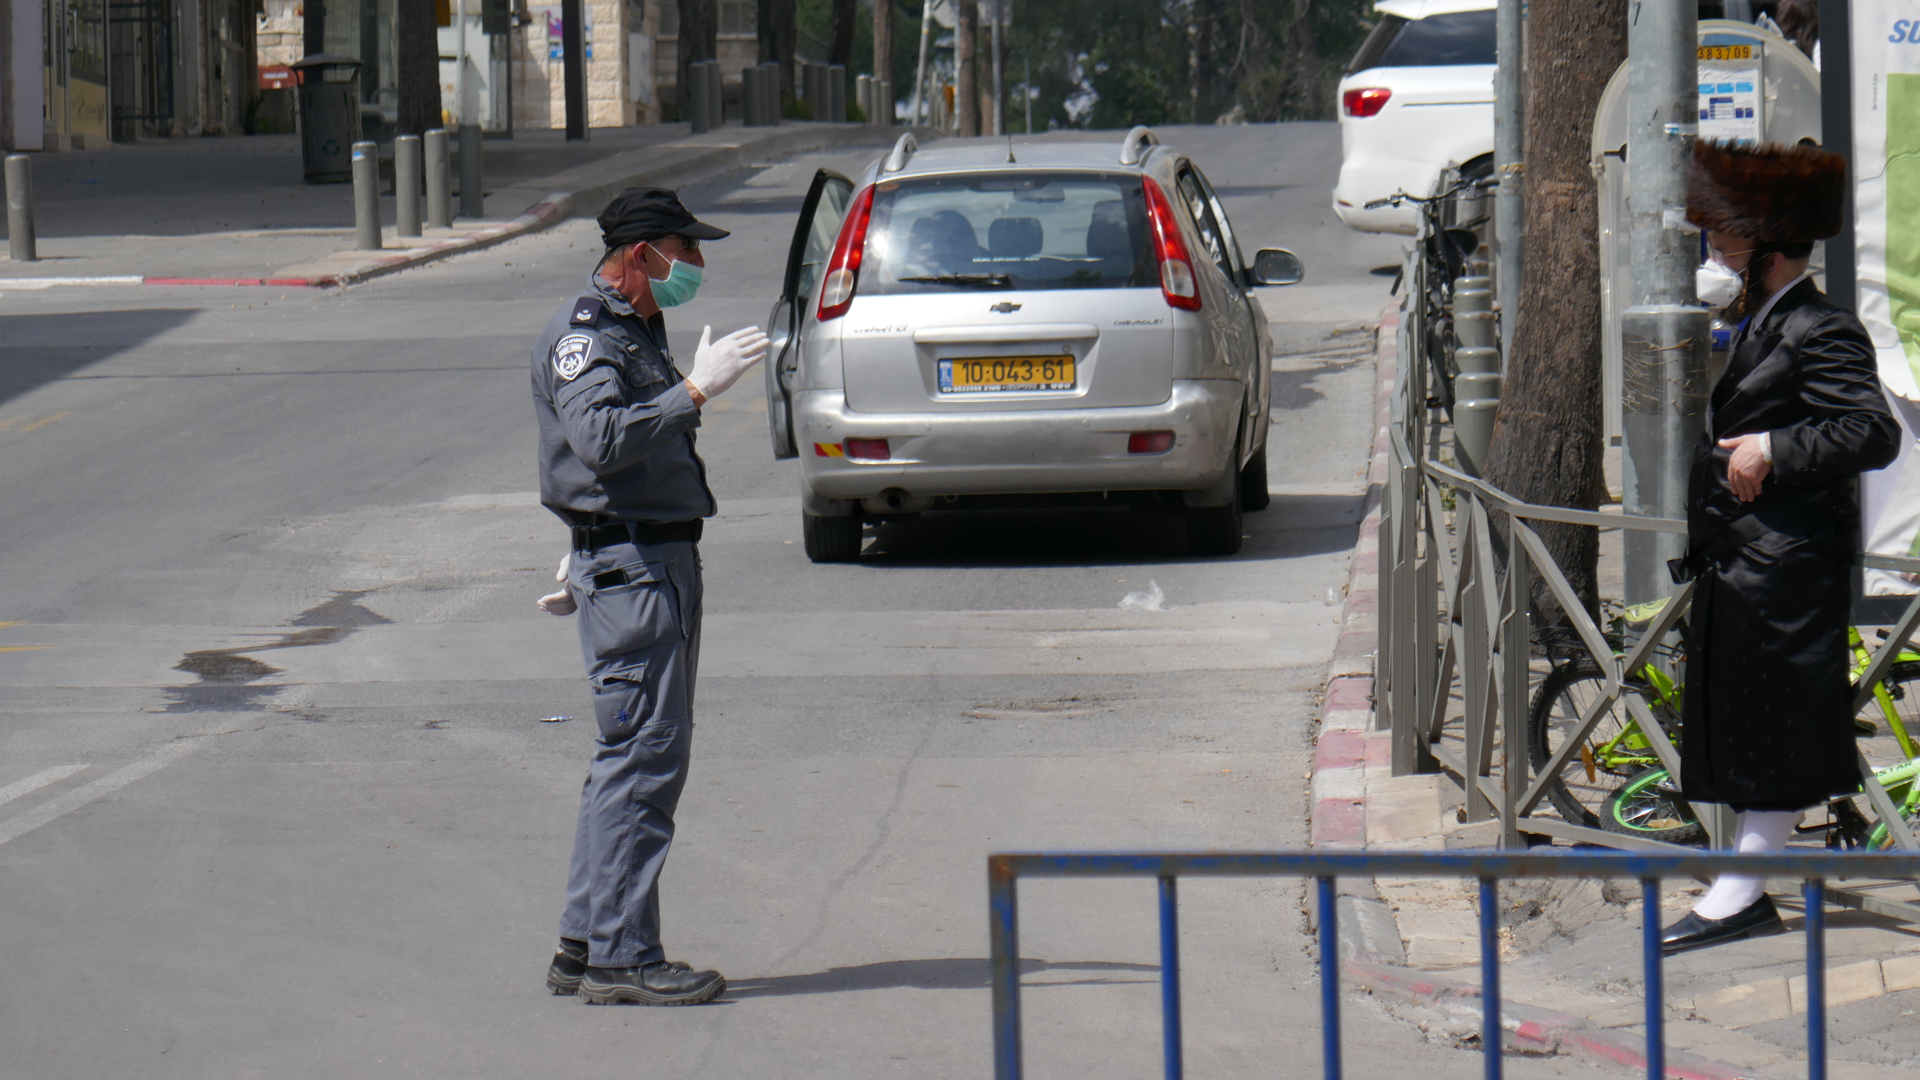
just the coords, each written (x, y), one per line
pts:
(998, 374)
(1726, 52)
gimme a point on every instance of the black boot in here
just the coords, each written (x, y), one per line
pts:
(569, 963)
(658, 983)
(1760, 919)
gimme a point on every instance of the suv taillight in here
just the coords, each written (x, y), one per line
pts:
(1365, 103)
(1177, 282)
(843, 270)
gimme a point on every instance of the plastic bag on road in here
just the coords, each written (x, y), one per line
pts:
(1151, 600)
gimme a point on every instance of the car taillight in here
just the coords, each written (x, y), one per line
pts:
(1176, 270)
(843, 270)
(1365, 103)
(1149, 442)
(867, 449)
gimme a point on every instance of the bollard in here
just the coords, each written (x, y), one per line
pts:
(439, 179)
(1476, 358)
(406, 185)
(1473, 433)
(750, 96)
(1477, 386)
(366, 196)
(776, 97)
(694, 98)
(1472, 299)
(716, 86)
(836, 94)
(1474, 329)
(20, 238)
(472, 185)
(863, 95)
(886, 103)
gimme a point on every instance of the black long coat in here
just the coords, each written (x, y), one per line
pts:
(1768, 719)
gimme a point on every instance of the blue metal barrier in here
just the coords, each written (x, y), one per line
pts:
(1004, 870)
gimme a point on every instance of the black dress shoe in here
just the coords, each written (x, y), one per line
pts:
(569, 963)
(658, 983)
(1760, 919)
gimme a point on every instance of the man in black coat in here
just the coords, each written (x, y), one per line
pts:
(1773, 520)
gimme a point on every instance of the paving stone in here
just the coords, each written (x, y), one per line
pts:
(1745, 1005)
(1716, 1044)
(1854, 982)
(1439, 937)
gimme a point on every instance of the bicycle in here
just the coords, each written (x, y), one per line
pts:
(1618, 783)
(1447, 251)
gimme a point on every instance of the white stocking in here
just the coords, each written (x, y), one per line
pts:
(1756, 832)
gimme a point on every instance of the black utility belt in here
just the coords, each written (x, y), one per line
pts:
(594, 537)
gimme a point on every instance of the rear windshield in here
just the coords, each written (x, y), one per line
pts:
(1463, 37)
(1007, 231)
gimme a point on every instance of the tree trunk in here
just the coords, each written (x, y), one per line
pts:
(966, 47)
(699, 30)
(840, 33)
(779, 26)
(883, 41)
(1548, 438)
(417, 53)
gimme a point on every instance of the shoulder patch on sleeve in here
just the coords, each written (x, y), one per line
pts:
(570, 355)
(586, 310)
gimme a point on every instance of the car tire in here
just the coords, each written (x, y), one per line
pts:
(1253, 482)
(1215, 530)
(831, 539)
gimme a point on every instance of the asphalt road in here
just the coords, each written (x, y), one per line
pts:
(277, 797)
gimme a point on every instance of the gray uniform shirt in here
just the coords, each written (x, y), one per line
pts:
(616, 420)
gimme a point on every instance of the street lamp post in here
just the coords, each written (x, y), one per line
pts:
(1664, 339)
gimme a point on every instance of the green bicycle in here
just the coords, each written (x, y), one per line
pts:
(1616, 782)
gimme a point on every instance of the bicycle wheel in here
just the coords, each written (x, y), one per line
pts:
(1592, 773)
(1903, 687)
(1647, 806)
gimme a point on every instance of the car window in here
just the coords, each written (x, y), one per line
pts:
(1234, 255)
(1027, 230)
(1200, 207)
(1461, 37)
(834, 198)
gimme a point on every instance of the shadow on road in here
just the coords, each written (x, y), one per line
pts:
(38, 349)
(1291, 526)
(957, 974)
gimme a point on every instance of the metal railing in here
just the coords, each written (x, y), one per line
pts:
(1004, 871)
(1455, 620)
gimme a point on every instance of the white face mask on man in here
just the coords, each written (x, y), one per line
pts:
(1716, 285)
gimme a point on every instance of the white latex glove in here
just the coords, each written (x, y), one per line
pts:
(719, 364)
(560, 603)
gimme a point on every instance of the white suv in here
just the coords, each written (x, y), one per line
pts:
(1416, 98)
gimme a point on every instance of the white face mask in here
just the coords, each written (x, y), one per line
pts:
(1716, 285)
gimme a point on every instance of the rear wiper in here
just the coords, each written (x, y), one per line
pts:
(1002, 280)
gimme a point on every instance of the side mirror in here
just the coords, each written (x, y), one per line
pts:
(1276, 266)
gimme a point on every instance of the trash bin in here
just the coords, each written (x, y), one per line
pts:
(329, 115)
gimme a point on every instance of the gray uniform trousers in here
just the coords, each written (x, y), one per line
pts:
(641, 640)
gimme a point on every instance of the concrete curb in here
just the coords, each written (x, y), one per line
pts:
(1340, 754)
(696, 161)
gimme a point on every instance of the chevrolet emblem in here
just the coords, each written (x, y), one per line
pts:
(1005, 306)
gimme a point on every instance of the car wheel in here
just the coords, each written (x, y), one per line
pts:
(1253, 482)
(1215, 530)
(831, 539)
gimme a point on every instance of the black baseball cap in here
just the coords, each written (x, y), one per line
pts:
(638, 214)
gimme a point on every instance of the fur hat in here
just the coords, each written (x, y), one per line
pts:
(1773, 193)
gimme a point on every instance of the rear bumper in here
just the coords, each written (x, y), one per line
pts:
(1006, 453)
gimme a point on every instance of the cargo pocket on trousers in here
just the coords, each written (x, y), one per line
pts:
(630, 609)
(623, 699)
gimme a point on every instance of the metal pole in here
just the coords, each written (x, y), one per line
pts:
(1508, 155)
(1003, 934)
(574, 61)
(460, 116)
(20, 236)
(366, 196)
(920, 72)
(1815, 892)
(406, 185)
(1170, 975)
(999, 86)
(1026, 91)
(1836, 133)
(1491, 1043)
(472, 186)
(439, 179)
(1656, 992)
(1664, 334)
(1329, 980)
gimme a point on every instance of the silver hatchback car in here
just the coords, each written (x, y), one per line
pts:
(962, 329)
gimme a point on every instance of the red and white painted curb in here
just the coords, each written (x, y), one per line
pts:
(1340, 755)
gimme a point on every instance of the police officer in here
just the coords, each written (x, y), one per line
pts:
(618, 465)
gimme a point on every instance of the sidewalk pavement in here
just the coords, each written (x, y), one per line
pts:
(236, 211)
(1571, 949)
